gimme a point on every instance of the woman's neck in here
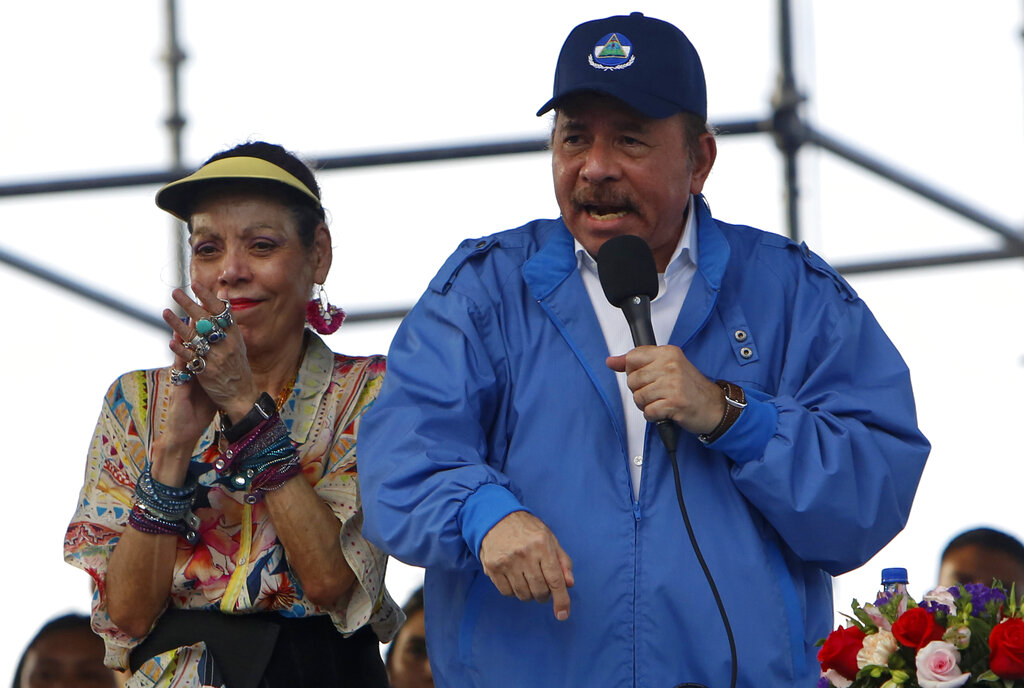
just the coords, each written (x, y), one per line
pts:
(275, 370)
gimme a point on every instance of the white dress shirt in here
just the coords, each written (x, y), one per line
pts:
(672, 287)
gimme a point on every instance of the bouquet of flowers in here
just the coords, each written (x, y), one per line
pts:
(968, 635)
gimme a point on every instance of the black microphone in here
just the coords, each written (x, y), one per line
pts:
(629, 278)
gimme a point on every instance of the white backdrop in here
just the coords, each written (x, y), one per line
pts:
(923, 84)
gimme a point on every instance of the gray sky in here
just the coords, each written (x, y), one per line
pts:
(924, 85)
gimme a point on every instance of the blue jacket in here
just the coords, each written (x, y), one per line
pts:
(497, 398)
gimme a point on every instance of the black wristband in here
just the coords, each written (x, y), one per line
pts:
(263, 408)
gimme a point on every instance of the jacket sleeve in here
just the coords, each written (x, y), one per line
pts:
(832, 458)
(430, 446)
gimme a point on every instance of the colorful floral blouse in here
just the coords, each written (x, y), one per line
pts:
(238, 565)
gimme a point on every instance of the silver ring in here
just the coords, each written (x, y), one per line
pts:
(196, 365)
(199, 344)
(179, 377)
(212, 330)
(224, 319)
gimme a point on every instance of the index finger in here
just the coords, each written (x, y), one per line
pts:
(557, 584)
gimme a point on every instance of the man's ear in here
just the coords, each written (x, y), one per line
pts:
(708, 151)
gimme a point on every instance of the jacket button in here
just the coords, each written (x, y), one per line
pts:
(746, 352)
(740, 336)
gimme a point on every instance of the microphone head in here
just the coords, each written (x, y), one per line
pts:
(625, 266)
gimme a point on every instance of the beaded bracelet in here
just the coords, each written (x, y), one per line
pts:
(161, 509)
(172, 501)
(260, 461)
(145, 522)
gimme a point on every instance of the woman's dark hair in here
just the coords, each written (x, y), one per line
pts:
(306, 214)
(68, 622)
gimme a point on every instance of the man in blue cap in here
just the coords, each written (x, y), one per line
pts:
(512, 451)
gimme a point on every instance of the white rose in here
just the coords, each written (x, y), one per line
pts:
(941, 596)
(937, 666)
(877, 649)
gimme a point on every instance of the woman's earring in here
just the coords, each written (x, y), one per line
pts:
(321, 315)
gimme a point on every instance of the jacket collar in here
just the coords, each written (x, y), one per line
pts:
(553, 279)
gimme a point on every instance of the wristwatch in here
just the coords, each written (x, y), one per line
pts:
(735, 402)
(263, 409)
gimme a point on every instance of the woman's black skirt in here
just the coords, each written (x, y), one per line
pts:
(268, 650)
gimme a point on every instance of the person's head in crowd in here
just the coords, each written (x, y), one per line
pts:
(65, 653)
(982, 555)
(407, 662)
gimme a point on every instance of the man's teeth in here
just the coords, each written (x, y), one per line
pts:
(598, 215)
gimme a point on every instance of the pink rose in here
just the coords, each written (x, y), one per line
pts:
(837, 679)
(877, 617)
(937, 666)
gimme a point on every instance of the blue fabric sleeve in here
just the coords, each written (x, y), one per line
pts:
(837, 476)
(426, 443)
(482, 511)
(749, 435)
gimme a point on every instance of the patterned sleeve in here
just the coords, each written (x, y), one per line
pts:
(357, 382)
(116, 457)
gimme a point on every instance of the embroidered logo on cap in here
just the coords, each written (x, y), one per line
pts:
(614, 51)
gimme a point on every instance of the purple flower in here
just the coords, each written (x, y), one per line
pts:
(933, 606)
(980, 596)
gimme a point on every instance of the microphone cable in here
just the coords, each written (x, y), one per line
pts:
(669, 434)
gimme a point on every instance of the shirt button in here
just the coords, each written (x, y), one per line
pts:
(638, 461)
(241, 562)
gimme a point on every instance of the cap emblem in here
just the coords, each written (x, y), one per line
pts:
(614, 51)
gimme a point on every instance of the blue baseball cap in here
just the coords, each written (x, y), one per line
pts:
(647, 63)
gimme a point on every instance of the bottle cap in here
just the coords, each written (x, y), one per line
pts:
(894, 575)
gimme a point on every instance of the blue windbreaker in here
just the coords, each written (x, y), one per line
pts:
(497, 399)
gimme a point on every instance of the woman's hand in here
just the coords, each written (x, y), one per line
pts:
(227, 380)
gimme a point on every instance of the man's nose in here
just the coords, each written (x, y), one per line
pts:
(601, 163)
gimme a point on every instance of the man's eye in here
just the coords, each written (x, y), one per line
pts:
(418, 647)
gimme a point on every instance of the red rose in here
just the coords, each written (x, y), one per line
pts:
(916, 628)
(1006, 644)
(840, 651)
